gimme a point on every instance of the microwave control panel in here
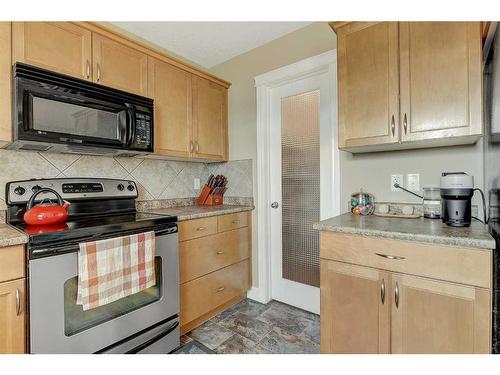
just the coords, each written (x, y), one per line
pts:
(143, 129)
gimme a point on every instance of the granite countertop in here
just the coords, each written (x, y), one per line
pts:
(421, 230)
(10, 236)
(196, 212)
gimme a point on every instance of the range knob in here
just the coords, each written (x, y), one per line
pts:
(131, 187)
(19, 190)
(35, 188)
(120, 187)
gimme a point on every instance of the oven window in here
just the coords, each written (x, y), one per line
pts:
(71, 119)
(76, 320)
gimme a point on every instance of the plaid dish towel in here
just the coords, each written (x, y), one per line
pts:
(115, 268)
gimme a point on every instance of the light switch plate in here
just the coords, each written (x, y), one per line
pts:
(413, 182)
(396, 178)
(196, 184)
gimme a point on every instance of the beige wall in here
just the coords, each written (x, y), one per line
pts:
(372, 171)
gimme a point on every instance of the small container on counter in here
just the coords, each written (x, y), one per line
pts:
(432, 203)
(362, 203)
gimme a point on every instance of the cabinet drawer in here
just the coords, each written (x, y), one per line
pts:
(11, 263)
(204, 255)
(457, 264)
(196, 228)
(204, 294)
(233, 221)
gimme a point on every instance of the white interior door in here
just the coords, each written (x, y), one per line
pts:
(302, 173)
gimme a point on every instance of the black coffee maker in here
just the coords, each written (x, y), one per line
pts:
(457, 189)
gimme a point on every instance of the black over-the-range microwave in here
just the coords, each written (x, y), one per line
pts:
(58, 113)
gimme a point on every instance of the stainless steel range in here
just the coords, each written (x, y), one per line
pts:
(145, 322)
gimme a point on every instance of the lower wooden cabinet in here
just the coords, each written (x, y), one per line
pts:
(369, 306)
(215, 266)
(12, 317)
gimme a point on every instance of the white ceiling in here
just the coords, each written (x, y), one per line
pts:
(209, 43)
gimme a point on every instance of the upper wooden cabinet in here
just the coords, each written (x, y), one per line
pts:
(353, 296)
(408, 84)
(171, 89)
(209, 119)
(59, 46)
(368, 84)
(5, 84)
(441, 79)
(119, 66)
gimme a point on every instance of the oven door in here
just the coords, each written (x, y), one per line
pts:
(58, 114)
(59, 325)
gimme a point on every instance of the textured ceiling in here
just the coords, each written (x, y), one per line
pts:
(209, 43)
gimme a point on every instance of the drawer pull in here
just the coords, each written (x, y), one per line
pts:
(220, 252)
(220, 289)
(396, 295)
(199, 229)
(382, 291)
(235, 221)
(395, 257)
(18, 302)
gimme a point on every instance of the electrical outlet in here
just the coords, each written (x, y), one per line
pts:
(396, 178)
(413, 182)
(196, 184)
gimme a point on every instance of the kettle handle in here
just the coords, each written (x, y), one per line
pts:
(44, 190)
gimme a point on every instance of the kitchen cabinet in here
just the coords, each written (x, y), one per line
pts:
(58, 46)
(408, 84)
(109, 68)
(12, 300)
(368, 82)
(214, 264)
(209, 120)
(171, 89)
(441, 75)
(5, 83)
(388, 296)
(356, 297)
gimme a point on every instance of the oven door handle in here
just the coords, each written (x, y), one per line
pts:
(151, 341)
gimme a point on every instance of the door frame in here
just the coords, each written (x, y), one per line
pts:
(265, 83)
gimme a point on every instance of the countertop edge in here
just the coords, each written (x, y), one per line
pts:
(213, 213)
(19, 238)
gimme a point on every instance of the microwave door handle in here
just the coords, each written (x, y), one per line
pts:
(130, 124)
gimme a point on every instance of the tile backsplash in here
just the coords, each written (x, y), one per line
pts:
(156, 179)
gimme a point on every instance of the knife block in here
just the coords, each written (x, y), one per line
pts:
(208, 198)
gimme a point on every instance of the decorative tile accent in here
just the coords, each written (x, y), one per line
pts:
(156, 179)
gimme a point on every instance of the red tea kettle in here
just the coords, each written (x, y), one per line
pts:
(46, 213)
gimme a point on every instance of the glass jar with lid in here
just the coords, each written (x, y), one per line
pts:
(362, 203)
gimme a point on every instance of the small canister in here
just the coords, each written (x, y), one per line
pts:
(362, 203)
(432, 202)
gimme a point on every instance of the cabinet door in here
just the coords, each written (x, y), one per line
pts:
(441, 79)
(439, 317)
(62, 47)
(12, 317)
(210, 119)
(5, 84)
(119, 66)
(368, 84)
(170, 87)
(354, 309)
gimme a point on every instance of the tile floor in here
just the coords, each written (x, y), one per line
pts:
(253, 328)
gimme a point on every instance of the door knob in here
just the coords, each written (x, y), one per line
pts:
(275, 204)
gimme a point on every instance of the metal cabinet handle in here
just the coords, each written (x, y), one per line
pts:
(88, 69)
(18, 302)
(191, 146)
(220, 289)
(235, 221)
(405, 123)
(382, 291)
(98, 72)
(396, 295)
(199, 229)
(220, 252)
(395, 257)
(197, 147)
(393, 125)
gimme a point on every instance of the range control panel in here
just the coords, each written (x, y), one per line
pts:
(19, 192)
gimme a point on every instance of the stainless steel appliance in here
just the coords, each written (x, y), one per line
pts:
(145, 322)
(457, 189)
(58, 113)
